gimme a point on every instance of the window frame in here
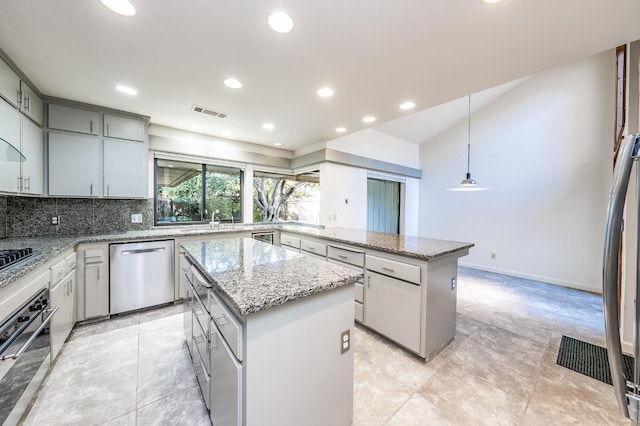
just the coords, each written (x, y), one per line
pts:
(203, 198)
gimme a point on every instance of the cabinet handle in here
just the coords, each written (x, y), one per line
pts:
(19, 184)
(98, 274)
(91, 189)
(311, 248)
(28, 185)
(71, 286)
(19, 100)
(90, 126)
(369, 281)
(107, 129)
(384, 268)
(342, 256)
(27, 103)
(107, 190)
(215, 319)
(212, 338)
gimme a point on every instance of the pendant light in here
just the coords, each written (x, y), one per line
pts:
(468, 183)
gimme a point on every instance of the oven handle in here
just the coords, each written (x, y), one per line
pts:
(33, 335)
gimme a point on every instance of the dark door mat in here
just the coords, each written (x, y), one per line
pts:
(590, 360)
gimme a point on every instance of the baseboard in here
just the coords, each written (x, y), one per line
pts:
(549, 280)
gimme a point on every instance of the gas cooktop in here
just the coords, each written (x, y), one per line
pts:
(11, 257)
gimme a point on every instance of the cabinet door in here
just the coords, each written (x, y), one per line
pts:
(74, 165)
(123, 127)
(392, 308)
(226, 383)
(70, 300)
(73, 119)
(9, 154)
(9, 84)
(32, 148)
(32, 105)
(57, 325)
(124, 168)
(96, 291)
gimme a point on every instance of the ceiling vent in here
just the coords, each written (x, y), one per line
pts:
(207, 111)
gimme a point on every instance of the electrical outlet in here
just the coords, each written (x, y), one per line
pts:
(136, 218)
(493, 255)
(454, 283)
(345, 341)
(55, 220)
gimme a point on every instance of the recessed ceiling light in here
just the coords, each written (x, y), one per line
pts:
(341, 129)
(280, 22)
(121, 7)
(268, 126)
(325, 92)
(407, 105)
(490, 1)
(369, 119)
(194, 127)
(226, 133)
(277, 144)
(232, 83)
(126, 89)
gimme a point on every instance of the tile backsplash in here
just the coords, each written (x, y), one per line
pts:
(28, 216)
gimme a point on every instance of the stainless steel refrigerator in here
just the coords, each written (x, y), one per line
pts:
(627, 389)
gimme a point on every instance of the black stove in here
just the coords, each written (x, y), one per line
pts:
(11, 257)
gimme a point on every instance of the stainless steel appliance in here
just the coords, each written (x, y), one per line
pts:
(627, 389)
(140, 275)
(24, 355)
(11, 257)
(266, 237)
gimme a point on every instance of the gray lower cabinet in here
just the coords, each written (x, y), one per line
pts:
(226, 382)
(393, 309)
(92, 296)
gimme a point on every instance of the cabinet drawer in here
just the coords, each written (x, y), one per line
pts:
(58, 271)
(73, 119)
(288, 240)
(402, 271)
(201, 336)
(344, 255)
(70, 262)
(226, 322)
(359, 292)
(313, 247)
(359, 311)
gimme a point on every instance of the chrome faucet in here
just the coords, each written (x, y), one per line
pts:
(215, 223)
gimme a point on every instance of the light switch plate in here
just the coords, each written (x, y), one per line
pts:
(136, 218)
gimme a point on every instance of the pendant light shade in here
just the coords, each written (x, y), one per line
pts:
(468, 183)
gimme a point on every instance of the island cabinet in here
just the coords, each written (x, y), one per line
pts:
(270, 333)
(409, 291)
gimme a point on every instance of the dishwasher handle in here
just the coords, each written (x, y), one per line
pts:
(140, 251)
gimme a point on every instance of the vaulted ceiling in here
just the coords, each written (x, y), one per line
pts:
(374, 55)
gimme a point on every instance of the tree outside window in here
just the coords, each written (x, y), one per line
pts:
(190, 192)
(278, 198)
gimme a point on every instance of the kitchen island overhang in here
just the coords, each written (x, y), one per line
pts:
(294, 318)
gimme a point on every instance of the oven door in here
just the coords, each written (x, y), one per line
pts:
(23, 365)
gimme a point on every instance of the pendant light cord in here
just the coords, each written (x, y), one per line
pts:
(469, 139)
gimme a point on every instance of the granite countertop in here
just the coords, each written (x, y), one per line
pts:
(404, 245)
(253, 276)
(49, 247)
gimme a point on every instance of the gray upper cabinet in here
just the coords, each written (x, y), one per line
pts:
(73, 119)
(31, 105)
(74, 165)
(32, 147)
(124, 168)
(124, 128)
(9, 84)
(10, 132)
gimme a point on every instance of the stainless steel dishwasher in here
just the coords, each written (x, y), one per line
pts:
(141, 275)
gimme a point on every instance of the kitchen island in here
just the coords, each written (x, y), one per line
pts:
(269, 332)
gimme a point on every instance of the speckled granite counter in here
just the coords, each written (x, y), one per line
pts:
(49, 247)
(253, 276)
(405, 245)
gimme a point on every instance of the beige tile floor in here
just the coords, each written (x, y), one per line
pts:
(499, 370)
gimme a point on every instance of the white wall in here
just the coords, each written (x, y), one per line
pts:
(545, 149)
(340, 182)
(378, 146)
